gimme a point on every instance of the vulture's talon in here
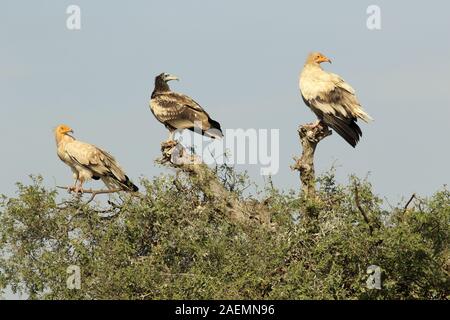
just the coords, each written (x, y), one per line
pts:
(79, 190)
(169, 144)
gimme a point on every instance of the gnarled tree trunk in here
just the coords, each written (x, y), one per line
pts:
(174, 155)
(310, 135)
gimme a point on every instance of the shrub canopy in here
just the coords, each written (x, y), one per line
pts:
(174, 242)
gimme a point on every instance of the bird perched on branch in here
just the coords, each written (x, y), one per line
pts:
(178, 111)
(89, 162)
(331, 99)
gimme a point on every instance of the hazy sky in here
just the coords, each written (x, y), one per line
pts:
(240, 60)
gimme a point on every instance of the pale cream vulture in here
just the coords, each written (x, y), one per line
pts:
(332, 99)
(90, 162)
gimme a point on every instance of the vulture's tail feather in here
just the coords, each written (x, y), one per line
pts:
(130, 186)
(214, 132)
(346, 128)
(112, 181)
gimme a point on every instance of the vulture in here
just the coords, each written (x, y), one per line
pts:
(177, 111)
(89, 162)
(332, 99)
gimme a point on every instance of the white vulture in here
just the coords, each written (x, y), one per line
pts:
(178, 111)
(90, 162)
(331, 99)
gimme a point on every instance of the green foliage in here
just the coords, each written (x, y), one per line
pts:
(172, 242)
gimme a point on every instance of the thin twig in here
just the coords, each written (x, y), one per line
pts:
(360, 208)
(91, 191)
(409, 201)
(94, 193)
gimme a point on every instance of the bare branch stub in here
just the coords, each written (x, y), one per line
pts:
(310, 135)
(413, 196)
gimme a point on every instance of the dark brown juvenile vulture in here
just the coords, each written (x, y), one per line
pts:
(331, 99)
(178, 111)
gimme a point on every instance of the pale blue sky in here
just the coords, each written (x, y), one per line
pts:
(240, 60)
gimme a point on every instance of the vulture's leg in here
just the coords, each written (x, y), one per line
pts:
(317, 123)
(74, 187)
(170, 136)
(79, 188)
(170, 142)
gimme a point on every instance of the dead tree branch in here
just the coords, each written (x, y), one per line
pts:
(175, 156)
(93, 193)
(363, 212)
(310, 135)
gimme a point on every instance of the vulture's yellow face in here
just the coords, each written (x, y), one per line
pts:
(63, 129)
(318, 58)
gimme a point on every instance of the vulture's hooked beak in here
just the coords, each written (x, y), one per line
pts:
(322, 58)
(171, 77)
